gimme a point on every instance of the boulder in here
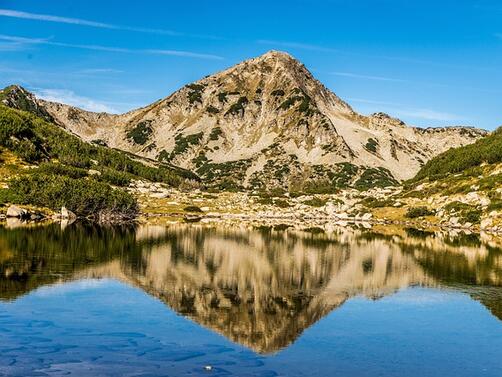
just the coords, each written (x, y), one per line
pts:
(486, 223)
(66, 214)
(367, 216)
(15, 211)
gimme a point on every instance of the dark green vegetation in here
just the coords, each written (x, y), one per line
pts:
(71, 172)
(315, 202)
(371, 145)
(375, 177)
(299, 96)
(455, 160)
(212, 110)
(371, 202)
(182, 144)
(195, 93)
(215, 133)
(141, 133)
(21, 100)
(414, 212)
(224, 176)
(465, 212)
(238, 107)
(192, 209)
(85, 197)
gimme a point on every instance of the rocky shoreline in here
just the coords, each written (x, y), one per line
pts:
(382, 207)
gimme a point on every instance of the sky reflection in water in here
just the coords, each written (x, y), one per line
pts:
(168, 301)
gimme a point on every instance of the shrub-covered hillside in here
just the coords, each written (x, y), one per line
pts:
(68, 171)
(486, 150)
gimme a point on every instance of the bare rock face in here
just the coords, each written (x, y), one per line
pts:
(267, 122)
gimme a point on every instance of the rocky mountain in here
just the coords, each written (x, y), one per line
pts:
(266, 122)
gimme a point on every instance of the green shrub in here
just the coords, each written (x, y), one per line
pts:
(371, 202)
(141, 133)
(212, 110)
(192, 209)
(215, 133)
(195, 93)
(371, 145)
(487, 149)
(414, 212)
(61, 169)
(114, 177)
(315, 202)
(238, 107)
(85, 197)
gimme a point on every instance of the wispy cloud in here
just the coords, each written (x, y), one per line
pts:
(301, 46)
(39, 41)
(70, 98)
(404, 111)
(101, 25)
(428, 114)
(498, 35)
(366, 77)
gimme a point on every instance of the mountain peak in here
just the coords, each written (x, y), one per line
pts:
(275, 54)
(17, 97)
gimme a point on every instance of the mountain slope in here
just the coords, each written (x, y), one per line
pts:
(487, 150)
(267, 122)
(47, 167)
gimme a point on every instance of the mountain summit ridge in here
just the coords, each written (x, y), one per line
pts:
(267, 122)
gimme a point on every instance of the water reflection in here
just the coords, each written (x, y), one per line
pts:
(259, 288)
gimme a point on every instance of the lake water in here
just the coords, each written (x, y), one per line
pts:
(189, 300)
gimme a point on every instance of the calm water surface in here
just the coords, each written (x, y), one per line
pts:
(168, 301)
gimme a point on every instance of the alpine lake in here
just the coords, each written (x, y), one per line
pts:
(204, 300)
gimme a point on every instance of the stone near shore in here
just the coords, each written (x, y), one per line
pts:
(66, 214)
(15, 211)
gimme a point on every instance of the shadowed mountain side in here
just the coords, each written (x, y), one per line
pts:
(259, 289)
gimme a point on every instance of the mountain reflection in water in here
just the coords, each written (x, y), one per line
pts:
(259, 288)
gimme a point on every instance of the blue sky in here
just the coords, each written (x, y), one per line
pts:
(429, 63)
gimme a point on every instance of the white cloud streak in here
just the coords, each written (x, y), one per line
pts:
(70, 98)
(428, 114)
(39, 41)
(101, 25)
